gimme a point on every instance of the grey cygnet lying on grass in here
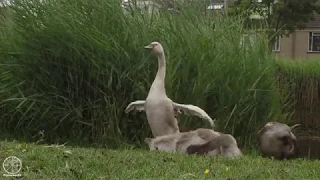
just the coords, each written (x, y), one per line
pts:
(179, 142)
(224, 145)
(200, 141)
(277, 140)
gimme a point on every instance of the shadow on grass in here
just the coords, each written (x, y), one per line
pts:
(40, 139)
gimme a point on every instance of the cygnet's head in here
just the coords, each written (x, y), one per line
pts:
(155, 47)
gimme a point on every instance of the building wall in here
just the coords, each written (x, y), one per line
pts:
(296, 46)
(286, 50)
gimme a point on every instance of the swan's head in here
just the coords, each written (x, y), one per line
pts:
(155, 47)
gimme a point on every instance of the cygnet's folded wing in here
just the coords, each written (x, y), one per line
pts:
(189, 109)
(138, 105)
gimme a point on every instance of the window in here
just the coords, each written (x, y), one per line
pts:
(276, 45)
(314, 42)
(248, 38)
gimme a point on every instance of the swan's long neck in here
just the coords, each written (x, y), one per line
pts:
(158, 84)
(161, 74)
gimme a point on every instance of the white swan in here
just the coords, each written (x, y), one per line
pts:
(160, 110)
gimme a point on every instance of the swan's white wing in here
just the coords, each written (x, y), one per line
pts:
(138, 105)
(189, 109)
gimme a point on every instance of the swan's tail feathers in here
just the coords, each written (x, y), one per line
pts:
(137, 105)
(189, 109)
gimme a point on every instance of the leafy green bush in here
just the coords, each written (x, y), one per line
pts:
(76, 65)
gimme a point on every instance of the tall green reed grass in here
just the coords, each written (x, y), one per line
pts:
(74, 66)
(301, 78)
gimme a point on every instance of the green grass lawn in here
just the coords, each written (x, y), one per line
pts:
(43, 162)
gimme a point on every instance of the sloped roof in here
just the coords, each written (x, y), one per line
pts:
(170, 2)
(220, 1)
(315, 23)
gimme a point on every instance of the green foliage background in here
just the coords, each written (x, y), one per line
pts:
(70, 67)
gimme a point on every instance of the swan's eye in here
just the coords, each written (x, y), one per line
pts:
(156, 148)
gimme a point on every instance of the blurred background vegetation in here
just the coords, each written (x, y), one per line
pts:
(68, 69)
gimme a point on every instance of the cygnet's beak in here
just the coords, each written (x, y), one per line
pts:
(148, 47)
